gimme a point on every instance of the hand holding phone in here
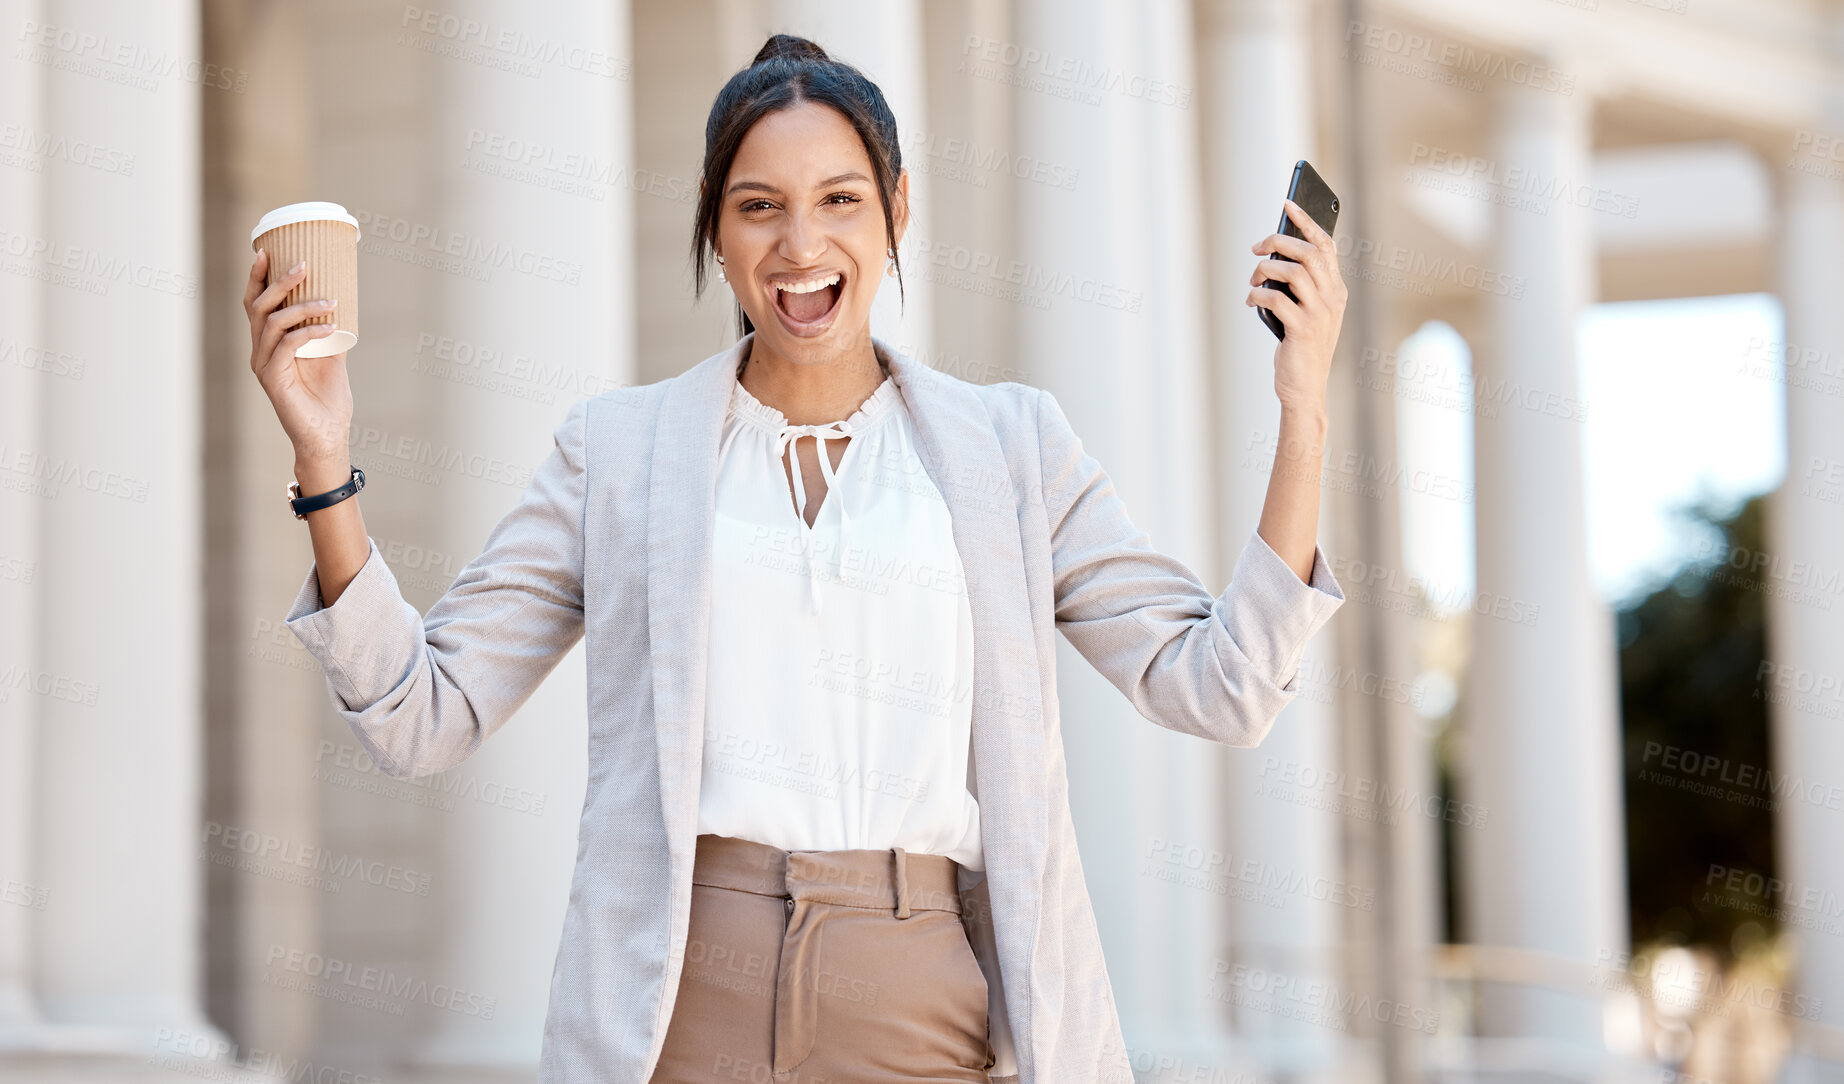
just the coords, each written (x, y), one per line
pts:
(1316, 198)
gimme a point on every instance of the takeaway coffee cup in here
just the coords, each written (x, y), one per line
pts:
(326, 237)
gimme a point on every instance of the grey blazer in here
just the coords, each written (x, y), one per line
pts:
(611, 542)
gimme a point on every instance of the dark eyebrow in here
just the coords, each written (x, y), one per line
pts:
(760, 186)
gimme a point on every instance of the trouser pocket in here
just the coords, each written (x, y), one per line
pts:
(860, 983)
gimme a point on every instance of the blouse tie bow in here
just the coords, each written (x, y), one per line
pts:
(820, 434)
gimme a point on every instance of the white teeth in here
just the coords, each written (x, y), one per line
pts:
(808, 286)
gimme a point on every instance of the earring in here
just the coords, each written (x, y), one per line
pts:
(890, 265)
(720, 270)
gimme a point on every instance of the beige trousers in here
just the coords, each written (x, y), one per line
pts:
(809, 967)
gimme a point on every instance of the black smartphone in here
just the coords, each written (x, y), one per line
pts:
(1317, 199)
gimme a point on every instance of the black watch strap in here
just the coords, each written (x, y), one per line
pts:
(303, 505)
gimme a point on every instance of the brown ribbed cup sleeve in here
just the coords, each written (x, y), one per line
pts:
(331, 249)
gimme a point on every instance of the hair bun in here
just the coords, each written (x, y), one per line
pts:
(790, 46)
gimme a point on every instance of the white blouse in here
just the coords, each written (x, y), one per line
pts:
(839, 699)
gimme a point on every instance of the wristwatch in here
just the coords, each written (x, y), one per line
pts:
(303, 505)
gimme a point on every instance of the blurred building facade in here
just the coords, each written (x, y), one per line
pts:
(203, 874)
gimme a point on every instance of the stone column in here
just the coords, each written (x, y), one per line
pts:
(117, 456)
(1109, 318)
(22, 341)
(264, 718)
(1256, 52)
(1184, 778)
(1392, 836)
(1805, 637)
(965, 153)
(1547, 874)
(680, 61)
(538, 161)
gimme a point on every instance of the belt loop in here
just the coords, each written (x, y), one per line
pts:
(901, 861)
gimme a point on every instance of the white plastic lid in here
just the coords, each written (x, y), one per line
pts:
(301, 212)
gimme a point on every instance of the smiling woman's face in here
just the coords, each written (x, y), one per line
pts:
(801, 231)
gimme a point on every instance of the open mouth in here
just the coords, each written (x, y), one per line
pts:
(806, 306)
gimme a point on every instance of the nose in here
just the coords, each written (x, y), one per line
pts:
(803, 240)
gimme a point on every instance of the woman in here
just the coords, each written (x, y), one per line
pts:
(826, 835)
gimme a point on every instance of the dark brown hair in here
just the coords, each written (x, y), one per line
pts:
(786, 72)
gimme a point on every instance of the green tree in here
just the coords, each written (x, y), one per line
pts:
(1690, 698)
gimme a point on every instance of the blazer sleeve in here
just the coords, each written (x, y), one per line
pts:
(422, 693)
(1218, 667)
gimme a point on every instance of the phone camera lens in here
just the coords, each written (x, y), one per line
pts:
(1334, 204)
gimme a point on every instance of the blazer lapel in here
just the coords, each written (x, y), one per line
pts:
(681, 519)
(961, 453)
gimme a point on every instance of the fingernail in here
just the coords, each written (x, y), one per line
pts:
(297, 267)
(325, 304)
